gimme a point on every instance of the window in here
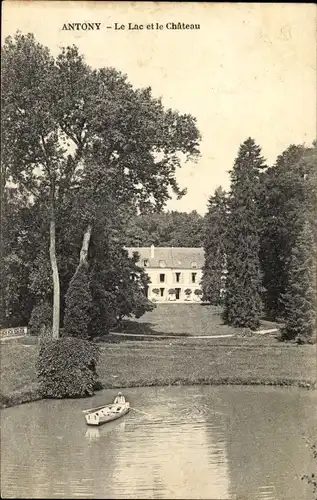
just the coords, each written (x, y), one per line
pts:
(162, 263)
(194, 277)
(146, 262)
(162, 278)
(193, 265)
(162, 292)
(178, 275)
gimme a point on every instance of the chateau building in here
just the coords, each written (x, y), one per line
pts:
(175, 272)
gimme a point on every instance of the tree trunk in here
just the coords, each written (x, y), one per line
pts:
(56, 287)
(84, 247)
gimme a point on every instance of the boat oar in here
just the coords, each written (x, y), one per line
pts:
(92, 409)
(135, 409)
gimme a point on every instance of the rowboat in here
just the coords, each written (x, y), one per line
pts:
(106, 413)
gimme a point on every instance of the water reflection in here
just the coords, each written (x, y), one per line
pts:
(195, 442)
(92, 433)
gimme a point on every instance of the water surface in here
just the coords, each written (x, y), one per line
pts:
(195, 442)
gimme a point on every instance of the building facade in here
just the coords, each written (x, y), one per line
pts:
(175, 273)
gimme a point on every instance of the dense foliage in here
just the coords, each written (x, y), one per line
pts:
(19, 234)
(78, 302)
(285, 194)
(243, 306)
(300, 299)
(213, 280)
(67, 368)
(165, 229)
(41, 317)
(118, 285)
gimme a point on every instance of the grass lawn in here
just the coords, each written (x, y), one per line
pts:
(146, 363)
(183, 319)
(260, 360)
(18, 372)
(241, 359)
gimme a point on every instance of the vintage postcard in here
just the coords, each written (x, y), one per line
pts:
(158, 250)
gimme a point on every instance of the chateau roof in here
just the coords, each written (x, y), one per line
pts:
(174, 257)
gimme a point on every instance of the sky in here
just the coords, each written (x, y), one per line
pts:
(250, 70)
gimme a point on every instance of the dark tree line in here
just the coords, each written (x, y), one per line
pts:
(165, 229)
(263, 233)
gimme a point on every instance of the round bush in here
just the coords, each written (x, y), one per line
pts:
(41, 317)
(66, 367)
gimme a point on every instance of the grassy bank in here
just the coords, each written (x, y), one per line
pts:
(184, 319)
(260, 360)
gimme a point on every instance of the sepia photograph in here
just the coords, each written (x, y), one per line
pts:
(158, 250)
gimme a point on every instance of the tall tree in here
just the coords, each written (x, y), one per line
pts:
(215, 247)
(117, 283)
(78, 304)
(284, 195)
(35, 143)
(243, 304)
(70, 130)
(300, 299)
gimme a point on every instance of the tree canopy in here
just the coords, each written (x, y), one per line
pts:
(165, 229)
(80, 142)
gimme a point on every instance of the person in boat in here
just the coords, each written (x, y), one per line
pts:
(119, 399)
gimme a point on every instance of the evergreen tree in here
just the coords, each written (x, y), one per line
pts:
(78, 305)
(243, 286)
(214, 246)
(283, 197)
(117, 284)
(300, 296)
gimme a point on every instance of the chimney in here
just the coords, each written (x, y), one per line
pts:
(152, 251)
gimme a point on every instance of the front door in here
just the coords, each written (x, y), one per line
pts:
(177, 293)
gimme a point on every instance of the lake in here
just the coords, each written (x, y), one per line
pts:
(222, 442)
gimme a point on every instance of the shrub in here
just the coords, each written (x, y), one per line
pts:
(172, 291)
(188, 291)
(78, 302)
(156, 291)
(66, 367)
(41, 317)
(198, 292)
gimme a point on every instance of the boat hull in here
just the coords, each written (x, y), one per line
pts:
(107, 413)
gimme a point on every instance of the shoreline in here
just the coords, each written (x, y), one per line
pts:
(31, 394)
(241, 360)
